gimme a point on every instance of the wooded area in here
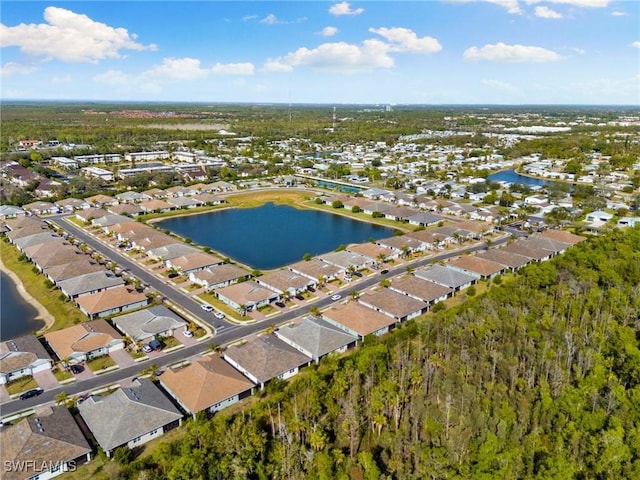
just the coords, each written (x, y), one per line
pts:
(537, 378)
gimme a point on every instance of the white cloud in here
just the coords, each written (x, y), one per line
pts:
(177, 69)
(546, 12)
(405, 40)
(575, 3)
(246, 18)
(511, 6)
(172, 70)
(329, 31)
(344, 8)
(70, 37)
(276, 65)
(501, 52)
(337, 57)
(12, 68)
(233, 69)
(618, 13)
(270, 19)
(636, 44)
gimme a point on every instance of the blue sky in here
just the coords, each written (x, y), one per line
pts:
(427, 52)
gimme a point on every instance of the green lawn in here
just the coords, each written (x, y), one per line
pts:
(100, 363)
(65, 313)
(62, 374)
(21, 384)
(170, 342)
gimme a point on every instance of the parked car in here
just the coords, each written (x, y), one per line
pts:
(206, 307)
(156, 345)
(280, 304)
(384, 272)
(34, 392)
(146, 348)
(76, 368)
(299, 297)
(187, 333)
(311, 289)
(357, 274)
(336, 297)
(219, 315)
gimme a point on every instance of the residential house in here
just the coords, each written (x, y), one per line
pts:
(81, 266)
(43, 445)
(90, 214)
(246, 295)
(393, 304)
(129, 209)
(184, 202)
(285, 282)
(84, 341)
(447, 277)
(156, 206)
(132, 197)
(130, 416)
(22, 356)
(402, 245)
(89, 283)
(206, 385)
(173, 250)
(425, 219)
(264, 358)
(420, 289)
(358, 320)
(71, 204)
(219, 276)
(112, 301)
(511, 260)
(102, 200)
(598, 217)
(371, 250)
(528, 250)
(562, 236)
(316, 270)
(344, 260)
(10, 211)
(145, 325)
(547, 243)
(193, 262)
(316, 338)
(41, 208)
(478, 266)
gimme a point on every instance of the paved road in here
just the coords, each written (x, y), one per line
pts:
(227, 334)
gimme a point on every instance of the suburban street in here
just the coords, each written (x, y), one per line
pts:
(225, 332)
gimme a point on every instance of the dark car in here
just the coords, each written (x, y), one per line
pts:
(280, 304)
(30, 393)
(299, 297)
(155, 345)
(357, 274)
(311, 289)
(384, 272)
(75, 368)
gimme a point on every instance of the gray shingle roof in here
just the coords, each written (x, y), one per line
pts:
(146, 323)
(316, 336)
(127, 413)
(90, 282)
(445, 276)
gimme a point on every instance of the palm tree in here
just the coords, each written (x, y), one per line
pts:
(315, 311)
(354, 294)
(62, 398)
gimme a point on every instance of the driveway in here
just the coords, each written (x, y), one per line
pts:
(46, 380)
(122, 358)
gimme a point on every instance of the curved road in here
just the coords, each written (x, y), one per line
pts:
(225, 332)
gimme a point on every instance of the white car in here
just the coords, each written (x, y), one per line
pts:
(146, 348)
(187, 333)
(219, 315)
(206, 307)
(336, 297)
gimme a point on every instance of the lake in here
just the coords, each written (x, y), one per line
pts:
(272, 236)
(511, 176)
(17, 317)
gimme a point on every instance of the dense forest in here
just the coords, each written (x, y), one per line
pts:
(539, 377)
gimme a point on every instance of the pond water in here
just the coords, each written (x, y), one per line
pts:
(511, 176)
(17, 316)
(272, 236)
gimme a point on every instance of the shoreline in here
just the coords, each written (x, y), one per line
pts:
(43, 313)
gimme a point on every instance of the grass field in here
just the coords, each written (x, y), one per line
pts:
(21, 384)
(65, 313)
